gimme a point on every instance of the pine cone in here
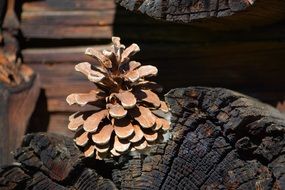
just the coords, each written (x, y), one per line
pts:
(127, 115)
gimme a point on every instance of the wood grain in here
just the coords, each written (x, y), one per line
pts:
(241, 12)
(17, 105)
(59, 81)
(66, 18)
(67, 5)
(58, 54)
(58, 122)
(66, 32)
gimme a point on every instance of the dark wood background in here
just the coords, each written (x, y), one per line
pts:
(54, 35)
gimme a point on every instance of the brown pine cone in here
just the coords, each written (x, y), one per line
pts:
(127, 115)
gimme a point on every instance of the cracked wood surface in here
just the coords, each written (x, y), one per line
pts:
(221, 140)
(188, 11)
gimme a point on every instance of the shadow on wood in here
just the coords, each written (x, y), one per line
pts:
(40, 118)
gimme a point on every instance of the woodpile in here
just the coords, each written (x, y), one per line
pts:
(221, 140)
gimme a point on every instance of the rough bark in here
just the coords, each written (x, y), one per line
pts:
(188, 11)
(221, 140)
(50, 161)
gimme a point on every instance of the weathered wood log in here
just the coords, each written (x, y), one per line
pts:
(220, 140)
(11, 21)
(17, 104)
(19, 86)
(186, 10)
(240, 12)
(54, 162)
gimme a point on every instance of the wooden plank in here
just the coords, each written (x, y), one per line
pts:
(58, 54)
(67, 32)
(68, 5)
(69, 18)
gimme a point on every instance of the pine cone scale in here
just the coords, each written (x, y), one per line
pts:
(102, 136)
(123, 128)
(92, 122)
(75, 122)
(144, 116)
(138, 134)
(117, 111)
(128, 100)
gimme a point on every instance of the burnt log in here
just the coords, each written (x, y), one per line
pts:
(240, 12)
(221, 139)
(51, 161)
